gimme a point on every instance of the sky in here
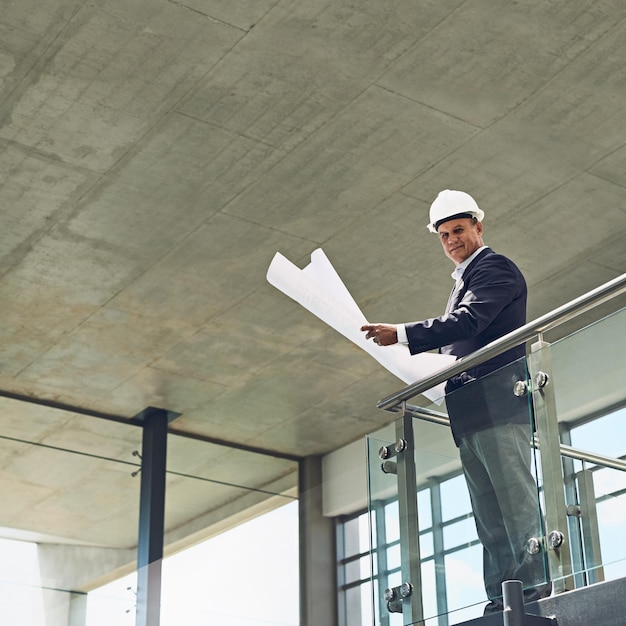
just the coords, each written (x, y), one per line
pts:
(247, 576)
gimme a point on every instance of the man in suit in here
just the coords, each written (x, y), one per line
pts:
(491, 426)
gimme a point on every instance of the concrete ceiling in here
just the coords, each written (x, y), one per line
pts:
(155, 155)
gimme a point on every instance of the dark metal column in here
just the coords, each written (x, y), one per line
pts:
(151, 514)
(513, 599)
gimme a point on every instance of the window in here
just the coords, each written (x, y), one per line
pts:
(450, 550)
(448, 544)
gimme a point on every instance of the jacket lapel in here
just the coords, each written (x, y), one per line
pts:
(458, 290)
(454, 296)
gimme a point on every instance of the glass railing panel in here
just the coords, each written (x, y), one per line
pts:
(599, 518)
(611, 511)
(492, 424)
(588, 370)
(69, 518)
(439, 541)
(596, 497)
(452, 587)
(585, 372)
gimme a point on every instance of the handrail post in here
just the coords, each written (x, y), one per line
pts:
(513, 600)
(544, 404)
(589, 522)
(411, 592)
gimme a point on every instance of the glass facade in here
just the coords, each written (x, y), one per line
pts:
(71, 486)
(70, 509)
(207, 582)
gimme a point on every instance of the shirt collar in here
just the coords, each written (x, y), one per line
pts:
(460, 268)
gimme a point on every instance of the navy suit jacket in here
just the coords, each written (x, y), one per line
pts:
(488, 302)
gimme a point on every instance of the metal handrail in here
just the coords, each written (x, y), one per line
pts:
(591, 457)
(436, 417)
(546, 322)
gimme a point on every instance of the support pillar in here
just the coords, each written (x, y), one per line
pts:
(78, 609)
(318, 557)
(151, 514)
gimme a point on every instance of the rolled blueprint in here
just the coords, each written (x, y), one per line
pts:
(320, 290)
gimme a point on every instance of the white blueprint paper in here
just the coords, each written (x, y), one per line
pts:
(320, 290)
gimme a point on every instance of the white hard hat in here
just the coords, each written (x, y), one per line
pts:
(450, 204)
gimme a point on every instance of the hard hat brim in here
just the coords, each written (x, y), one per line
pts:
(479, 215)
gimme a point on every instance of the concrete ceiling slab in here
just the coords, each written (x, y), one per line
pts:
(155, 155)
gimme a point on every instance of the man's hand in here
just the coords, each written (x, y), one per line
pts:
(382, 334)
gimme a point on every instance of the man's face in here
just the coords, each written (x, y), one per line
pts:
(460, 238)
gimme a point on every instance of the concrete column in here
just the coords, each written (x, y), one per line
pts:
(78, 609)
(318, 557)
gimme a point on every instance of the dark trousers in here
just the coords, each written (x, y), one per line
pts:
(497, 466)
